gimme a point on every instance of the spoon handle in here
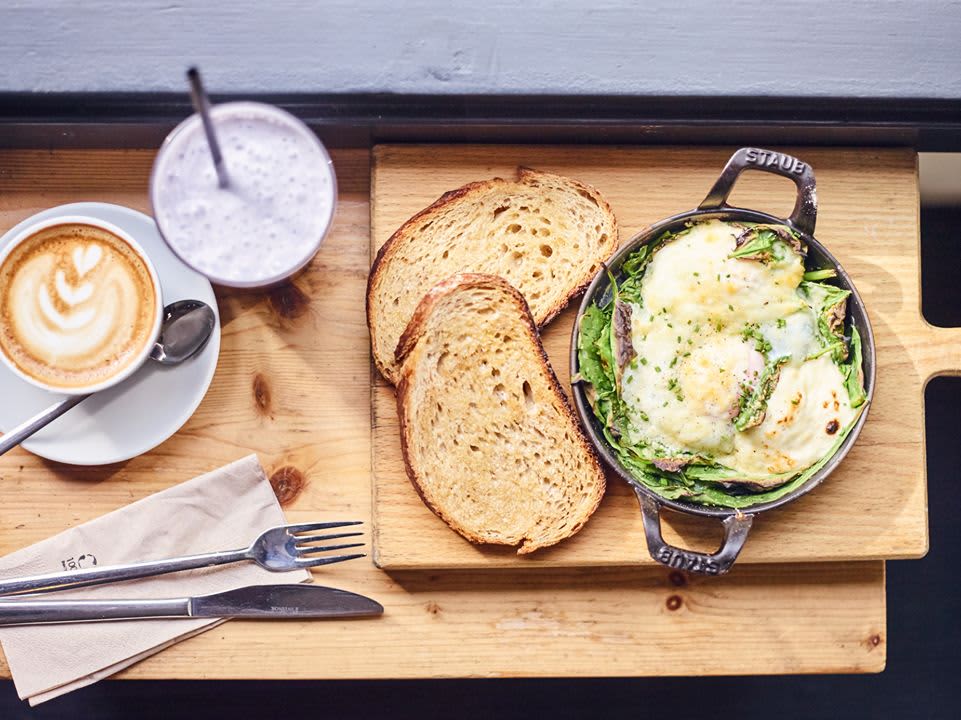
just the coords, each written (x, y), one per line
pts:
(27, 428)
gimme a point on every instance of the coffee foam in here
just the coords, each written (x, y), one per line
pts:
(275, 211)
(77, 305)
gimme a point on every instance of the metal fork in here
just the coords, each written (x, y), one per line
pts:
(279, 549)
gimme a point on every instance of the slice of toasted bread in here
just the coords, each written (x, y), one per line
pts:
(546, 234)
(490, 442)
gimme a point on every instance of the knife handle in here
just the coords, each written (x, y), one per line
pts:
(44, 612)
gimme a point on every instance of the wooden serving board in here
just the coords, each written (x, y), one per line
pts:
(873, 506)
(293, 385)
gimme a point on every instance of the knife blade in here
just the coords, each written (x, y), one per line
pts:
(267, 602)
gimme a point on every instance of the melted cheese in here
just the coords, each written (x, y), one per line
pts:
(807, 409)
(692, 278)
(694, 360)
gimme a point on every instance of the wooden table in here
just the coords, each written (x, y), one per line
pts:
(293, 384)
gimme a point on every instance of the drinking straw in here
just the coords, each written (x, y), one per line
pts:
(201, 103)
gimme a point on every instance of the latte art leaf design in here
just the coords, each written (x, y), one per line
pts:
(69, 294)
(85, 259)
(72, 321)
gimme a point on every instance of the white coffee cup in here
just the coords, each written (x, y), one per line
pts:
(153, 315)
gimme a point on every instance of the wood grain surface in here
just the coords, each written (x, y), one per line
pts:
(293, 385)
(874, 506)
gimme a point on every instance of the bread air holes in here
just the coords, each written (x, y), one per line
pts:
(547, 250)
(499, 210)
(528, 396)
(513, 228)
(588, 196)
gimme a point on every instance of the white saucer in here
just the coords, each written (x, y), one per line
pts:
(143, 411)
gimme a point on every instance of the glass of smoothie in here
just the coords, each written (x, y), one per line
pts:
(274, 213)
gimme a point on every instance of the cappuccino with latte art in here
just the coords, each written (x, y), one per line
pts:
(79, 306)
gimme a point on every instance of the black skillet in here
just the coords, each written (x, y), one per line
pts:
(736, 522)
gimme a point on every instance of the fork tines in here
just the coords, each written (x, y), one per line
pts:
(304, 547)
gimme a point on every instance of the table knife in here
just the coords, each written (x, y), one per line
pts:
(267, 602)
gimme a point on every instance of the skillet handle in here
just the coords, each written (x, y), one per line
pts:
(736, 528)
(805, 213)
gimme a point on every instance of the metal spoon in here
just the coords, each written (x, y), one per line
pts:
(186, 328)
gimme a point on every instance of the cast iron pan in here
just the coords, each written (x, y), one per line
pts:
(737, 522)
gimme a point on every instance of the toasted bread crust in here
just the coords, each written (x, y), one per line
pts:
(408, 343)
(393, 244)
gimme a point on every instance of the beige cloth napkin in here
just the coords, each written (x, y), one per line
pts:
(222, 510)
